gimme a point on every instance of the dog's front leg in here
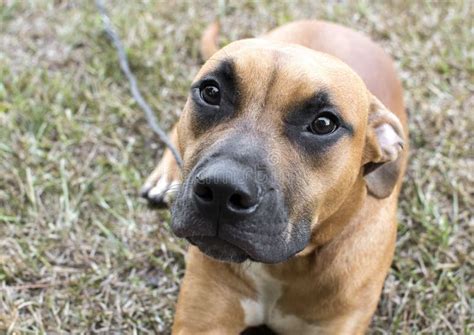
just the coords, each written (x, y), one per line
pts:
(210, 297)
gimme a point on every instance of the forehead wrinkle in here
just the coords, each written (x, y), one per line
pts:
(276, 61)
(255, 75)
(264, 76)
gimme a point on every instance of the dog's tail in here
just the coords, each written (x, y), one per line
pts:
(209, 43)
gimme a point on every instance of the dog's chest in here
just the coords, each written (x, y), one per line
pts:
(264, 309)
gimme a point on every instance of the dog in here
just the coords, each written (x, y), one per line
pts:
(294, 147)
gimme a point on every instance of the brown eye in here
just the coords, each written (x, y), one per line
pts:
(324, 124)
(210, 93)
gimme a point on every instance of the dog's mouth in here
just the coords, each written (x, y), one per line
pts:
(219, 249)
(267, 238)
(263, 236)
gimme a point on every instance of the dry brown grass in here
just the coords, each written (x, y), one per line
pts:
(79, 252)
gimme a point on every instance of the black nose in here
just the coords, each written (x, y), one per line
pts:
(226, 187)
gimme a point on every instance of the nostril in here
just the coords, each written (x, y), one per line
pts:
(204, 192)
(240, 201)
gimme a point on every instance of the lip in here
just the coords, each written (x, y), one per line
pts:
(219, 249)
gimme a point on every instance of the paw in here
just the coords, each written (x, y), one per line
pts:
(160, 188)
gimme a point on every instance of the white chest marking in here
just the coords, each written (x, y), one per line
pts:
(264, 310)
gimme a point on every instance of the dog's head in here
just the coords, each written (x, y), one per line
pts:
(274, 138)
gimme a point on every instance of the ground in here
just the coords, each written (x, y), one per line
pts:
(81, 253)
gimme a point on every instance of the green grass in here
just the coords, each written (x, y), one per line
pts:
(80, 252)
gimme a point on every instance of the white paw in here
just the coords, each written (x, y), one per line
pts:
(160, 192)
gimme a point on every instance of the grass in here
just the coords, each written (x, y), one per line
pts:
(81, 253)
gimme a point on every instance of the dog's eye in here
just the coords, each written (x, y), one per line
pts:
(210, 93)
(324, 124)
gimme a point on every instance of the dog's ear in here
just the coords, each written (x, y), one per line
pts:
(384, 143)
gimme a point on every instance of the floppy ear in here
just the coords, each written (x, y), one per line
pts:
(383, 147)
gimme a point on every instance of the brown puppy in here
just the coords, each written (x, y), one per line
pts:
(294, 155)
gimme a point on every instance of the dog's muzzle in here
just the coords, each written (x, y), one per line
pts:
(232, 209)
